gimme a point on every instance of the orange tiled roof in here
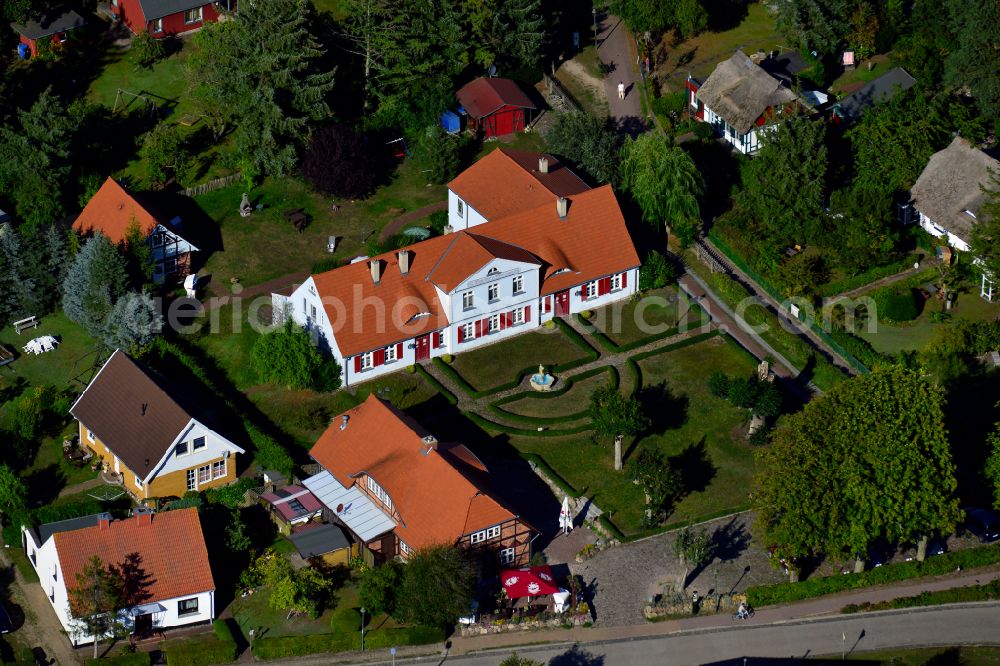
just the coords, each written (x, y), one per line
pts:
(508, 181)
(433, 488)
(591, 242)
(171, 546)
(470, 252)
(111, 211)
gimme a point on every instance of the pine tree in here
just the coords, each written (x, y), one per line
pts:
(22, 286)
(133, 324)
(57, 254)
(94, 282)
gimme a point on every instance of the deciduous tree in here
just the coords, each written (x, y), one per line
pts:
(589, 143)
(986, 231)
(342, 162)
(93, 600)
(974, 62)
(437, 587)
(13, 491)
(815, 25)
(660, 482)
(992, 467)
(165, 153)
(693, 547)
(288, 356)
(379, 586)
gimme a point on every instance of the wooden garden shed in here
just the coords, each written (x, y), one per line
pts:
(496, 107)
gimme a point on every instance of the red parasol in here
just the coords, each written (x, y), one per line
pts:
(530, 582)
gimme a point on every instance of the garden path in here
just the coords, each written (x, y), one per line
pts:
(616, 48)
(397, 225)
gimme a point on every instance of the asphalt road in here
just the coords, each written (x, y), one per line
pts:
(966, 624)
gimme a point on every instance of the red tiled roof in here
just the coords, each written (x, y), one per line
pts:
(508, 181)
(171, 549)
(112, 210)
(433, 487)
(470, 252)
(481, 97)
(592, 242)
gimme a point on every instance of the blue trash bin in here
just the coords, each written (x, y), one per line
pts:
(23, 51)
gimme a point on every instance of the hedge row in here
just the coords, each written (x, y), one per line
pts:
(553, 475)
(486, 424)
(199, 652)
(956, 595)
(767, 595)
(438, 386)
(296, 646)
(861, 279)
(567, 384)
(134, 659)
(860, 348)
(550, 420)
(609, 345)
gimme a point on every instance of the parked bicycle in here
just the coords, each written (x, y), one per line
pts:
(744, 612)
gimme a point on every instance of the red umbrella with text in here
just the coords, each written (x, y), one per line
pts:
(529, 582)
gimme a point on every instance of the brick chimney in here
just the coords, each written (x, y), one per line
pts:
(543, 165)
(430, 443)
(562, 207)
(376, 268)
(104, 521)
(404, 261)
(143, 515)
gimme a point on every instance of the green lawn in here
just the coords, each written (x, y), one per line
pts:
(573, 401)
(942, 656)
(70, 366)
(165, 83)
(700, 54)
(691, 426)
(498, 364)
(626, 322)
(916, 334)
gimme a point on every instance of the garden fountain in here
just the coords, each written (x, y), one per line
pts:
(542, 381)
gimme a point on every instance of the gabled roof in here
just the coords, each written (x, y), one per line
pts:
(468, 253)
(42, 533)
(154, 9)
(950, 185)
(112, 210)
(51, 21)
(592, 241)
(741, 92)
(508, 181)
(170, 546)
(439, 496)
(316, 540)
(481, 97)
(874, 93)
(135, 413)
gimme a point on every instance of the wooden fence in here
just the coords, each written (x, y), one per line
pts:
(212, 185)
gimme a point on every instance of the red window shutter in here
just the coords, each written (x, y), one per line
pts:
(624, 279)
(436, 339)
(505, 320)
(527, 313)
(461, 333)
(603, 286)
(357, 363)
(546, 305)
(479, 328)
(399, 351)
(379, 357)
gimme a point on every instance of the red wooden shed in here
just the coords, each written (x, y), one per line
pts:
(495, 106)
(52, 23)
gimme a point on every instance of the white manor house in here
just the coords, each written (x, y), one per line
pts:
(527, 241)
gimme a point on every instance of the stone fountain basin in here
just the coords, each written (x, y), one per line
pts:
(542, 382)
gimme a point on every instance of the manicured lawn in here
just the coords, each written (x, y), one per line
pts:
(265, 246)
(692, 427)
(700, 54)
(229, 341)
(972, 656)
(499, 363)
(916, 334)
(573, 401)
(70, 366)
(165, 83)
(629, 321)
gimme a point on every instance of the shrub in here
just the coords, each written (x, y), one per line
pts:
(670, 106)
(586, 314)
(447, 358)
(656, 272)
(231, 495)
(269, 454)
(146, 51)
(288, 356)
(437, 221)
(199, 652)
(132, 659)
(325, 264)
(437, 155)
(550, 324)
(897, 304)
(988, 592)
(704, 131)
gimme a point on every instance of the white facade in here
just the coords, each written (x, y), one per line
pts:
(194, 446)
(166, 613)
(461, 215)
(927, 224)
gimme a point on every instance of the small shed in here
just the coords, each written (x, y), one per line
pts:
(496, 107)
(53, 23)
(326, 542)
(450, 122)
(290, 506)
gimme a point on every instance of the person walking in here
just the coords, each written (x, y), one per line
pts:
(621, 90)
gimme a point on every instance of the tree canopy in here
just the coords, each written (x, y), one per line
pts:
(95, 281)
(613, 413)
(588, 142)
(986, 231)
(870, 460)
(288, 356)
(437, 587)
(974, 63)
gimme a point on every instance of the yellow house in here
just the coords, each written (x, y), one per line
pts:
(129, 418)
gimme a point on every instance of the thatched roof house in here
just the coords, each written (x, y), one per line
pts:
(740, 92)
(949, 196)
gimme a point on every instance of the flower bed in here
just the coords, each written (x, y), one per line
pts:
(489, 624)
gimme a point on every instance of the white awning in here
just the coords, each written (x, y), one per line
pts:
(147, 609)
(351, 506)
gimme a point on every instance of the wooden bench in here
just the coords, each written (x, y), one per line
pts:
(25, 324)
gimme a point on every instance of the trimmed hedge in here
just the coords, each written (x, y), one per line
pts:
(486, 424)
(554, 476)
(779, 593)
(897, 304)
(548, 395)
(956, 595)
(860, 348)
(134, 659)
(609, 345)
(223, 631)
(438, 386)
(296, 646)
(199, 652)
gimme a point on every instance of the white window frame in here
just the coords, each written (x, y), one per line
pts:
(477, 537)
(493, 324)
(312, 312)
(616, 282)
(517, 317)
(200, 15)
(468, 300)
(183, 613)
(208, 474)
(590, 291)
(379, 492)
(403, 548)
(493, 292)
(469, 331)
(157, 28)
(138, 481)
(192, 479)
(507, 555)
(367, 361)
(517, 282)
(461, 208)
(90, 435)
(493, 532)
(390, 354)
(219, 465)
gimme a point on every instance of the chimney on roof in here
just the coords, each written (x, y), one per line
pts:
(404, 261)
(103, 521)
(376, 268)
(562, 207)
(143, 515)
(430, 444)
(343, 421)
(543, 165)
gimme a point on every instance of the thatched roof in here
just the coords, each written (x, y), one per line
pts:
(740, 92)
(950, 185)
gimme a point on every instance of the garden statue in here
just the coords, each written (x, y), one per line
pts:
(245, 207)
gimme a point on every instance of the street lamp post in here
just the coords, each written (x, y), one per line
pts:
(362, 629)
(718, 598)
(593, 12)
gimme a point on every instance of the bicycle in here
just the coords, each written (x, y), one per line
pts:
(745, 615)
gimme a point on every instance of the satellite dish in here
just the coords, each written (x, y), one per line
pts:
(492, 71)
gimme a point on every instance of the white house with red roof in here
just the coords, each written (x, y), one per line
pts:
(530, 242)
(161, 558)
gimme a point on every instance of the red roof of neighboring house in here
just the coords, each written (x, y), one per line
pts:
(433, 486)
(481, 97)
(112, 210)
(508, 181)
(171, 550)
(591, 242)
(292, 502)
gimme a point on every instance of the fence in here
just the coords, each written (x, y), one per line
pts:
(553, 87)
(212, 185)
